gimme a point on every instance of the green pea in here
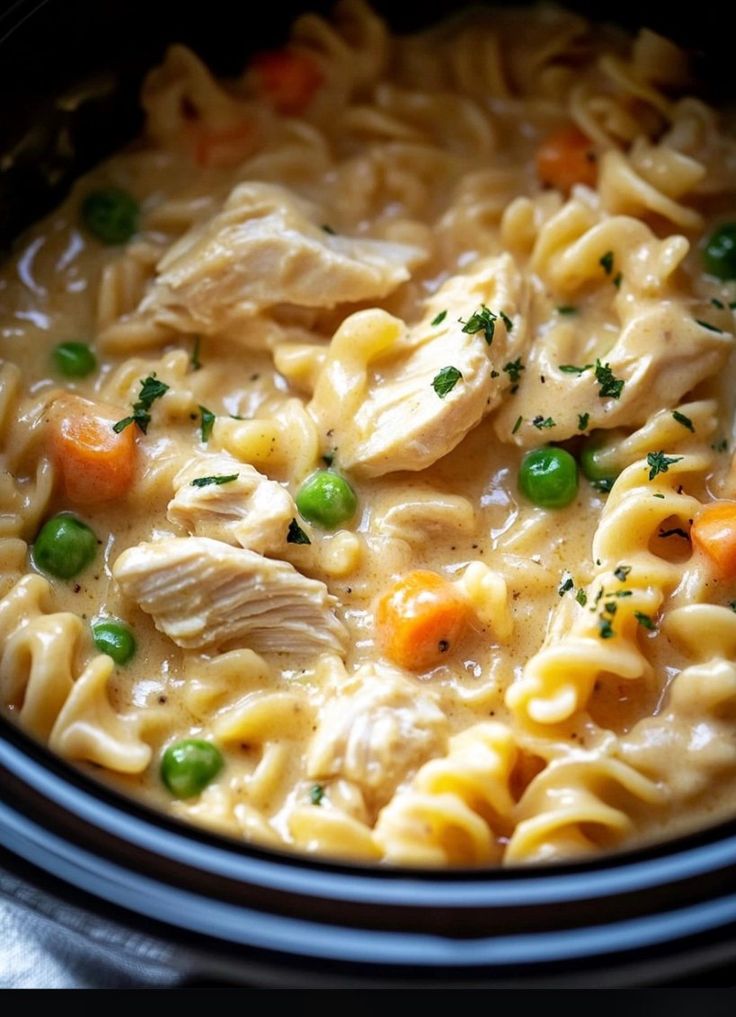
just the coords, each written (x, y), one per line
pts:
(75, 360)
(719, 254)
(110, 215)
(187, 767)
(113, 637)
(326, 499)
(548, 477)
(64, 546)
(596, 460)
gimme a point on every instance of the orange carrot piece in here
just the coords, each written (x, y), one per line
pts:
(567, 157)
(95, 464)
(287, 78)
(420, 619)
(714, 533)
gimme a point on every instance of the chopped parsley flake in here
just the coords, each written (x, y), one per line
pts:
(657, 495)
(514, 369)
(603, 485)
(208, 481)
(316, 794)
(645, 621)
(610, 607)
(573, 369)
(658, 462)
(507, 321)
(207, 422)
(610, 385)
(676, 531)
(707, 324)
(439, 318)
(445, 381)
(296, 534)
(621, 572)
(329, 229)
(606, 261)
(567, 309)
(617, 280)
(483, 320)
(566, 584)
(685, 421)
(605, 628)
(720, 446)
(717, 303)
(543, 423)
(732, 605)
(194, 359)
(517, 425)
(582, 597)
(583, 419)
(151, 389)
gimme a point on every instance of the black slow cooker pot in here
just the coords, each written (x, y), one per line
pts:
(137, 891)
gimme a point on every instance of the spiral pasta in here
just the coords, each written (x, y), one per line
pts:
(292, 368)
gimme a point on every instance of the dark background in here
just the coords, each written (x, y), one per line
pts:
(48, 46)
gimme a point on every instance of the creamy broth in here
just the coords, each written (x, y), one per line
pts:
(317, 244)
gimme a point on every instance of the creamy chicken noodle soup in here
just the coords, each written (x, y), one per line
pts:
(366, 446)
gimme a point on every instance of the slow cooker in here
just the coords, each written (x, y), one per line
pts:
(140, 893)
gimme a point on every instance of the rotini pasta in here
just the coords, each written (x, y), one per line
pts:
(366, 483)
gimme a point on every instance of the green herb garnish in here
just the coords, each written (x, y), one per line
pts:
(605, 628)
(621, 572)
(194, 359)
(685, 421)
(439, 318)
(483, 320)
(660, 463)
(316, 794)
(517, 425)
(606, 261)
(543, 423)
(573, 369)
(207, 422)
(445, 381)
(610, 385)
(645, 621)
(514, 369)
(296, 534)
(151, 389)
(583, 419)
(209, 481)
(707, 324)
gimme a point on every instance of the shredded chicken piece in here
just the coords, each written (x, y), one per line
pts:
(377, 732)
(203, 593)
(250, 511)
(266, 247)
(376, 398)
